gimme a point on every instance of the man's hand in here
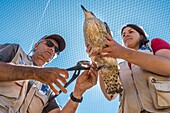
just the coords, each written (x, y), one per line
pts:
(86, 80)
(51, 77)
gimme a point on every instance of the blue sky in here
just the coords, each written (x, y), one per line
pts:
(25, 21)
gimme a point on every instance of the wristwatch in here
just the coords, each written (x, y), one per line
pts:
(75, 99)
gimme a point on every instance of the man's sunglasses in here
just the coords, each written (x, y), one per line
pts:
(49, 43)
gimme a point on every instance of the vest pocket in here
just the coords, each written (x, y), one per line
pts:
(38, 102)
(42, 97)
(11, 89)
(160, 92)
(12, 95)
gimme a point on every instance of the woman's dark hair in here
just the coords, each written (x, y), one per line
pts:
(144, 40)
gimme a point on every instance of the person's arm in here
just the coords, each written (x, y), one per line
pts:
(84, 82)
(11, 72)
(70, 106)
(155, 63)
(49, 76)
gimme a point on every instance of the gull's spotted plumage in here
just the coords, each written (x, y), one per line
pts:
(94, 29)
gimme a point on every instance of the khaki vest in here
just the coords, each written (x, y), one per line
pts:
(143, 90)
(13, 97)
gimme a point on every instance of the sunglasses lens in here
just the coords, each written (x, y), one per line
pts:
(51, 44)
(57, 50)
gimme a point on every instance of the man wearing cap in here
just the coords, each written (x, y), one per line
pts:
(19, 95)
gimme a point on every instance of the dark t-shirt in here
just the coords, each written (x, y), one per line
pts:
(7, 53)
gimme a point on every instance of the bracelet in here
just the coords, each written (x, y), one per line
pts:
(74, 99)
